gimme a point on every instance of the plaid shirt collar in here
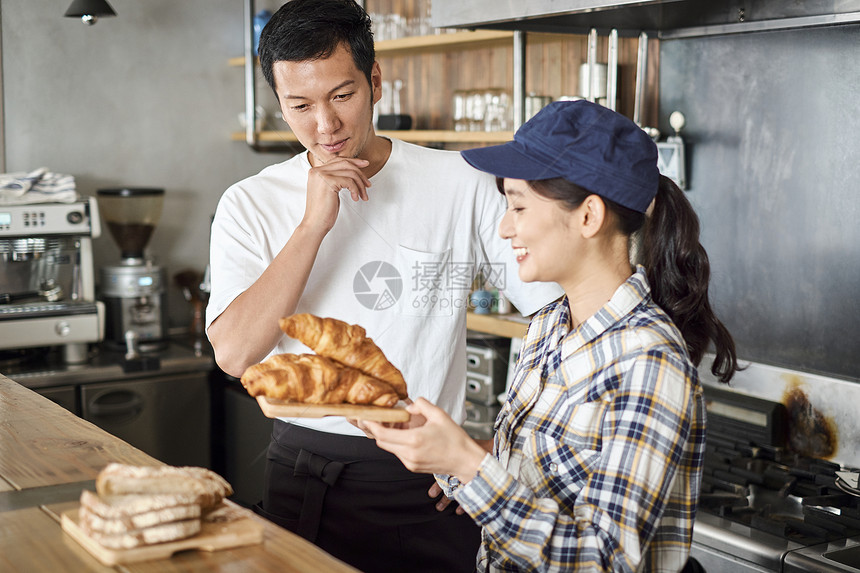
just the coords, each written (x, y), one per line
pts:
(560, 335)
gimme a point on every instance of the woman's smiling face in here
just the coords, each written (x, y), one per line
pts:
(542, 232)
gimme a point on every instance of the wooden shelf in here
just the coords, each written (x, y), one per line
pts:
(442, 41)
(496, 324)
(239, 61)
(412, 136)
(422, 43)
(267, 136)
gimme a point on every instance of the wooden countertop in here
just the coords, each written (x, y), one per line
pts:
(44, 446)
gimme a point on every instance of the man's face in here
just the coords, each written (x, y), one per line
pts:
(328, 104)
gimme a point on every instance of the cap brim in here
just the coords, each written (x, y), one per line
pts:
(508, 161)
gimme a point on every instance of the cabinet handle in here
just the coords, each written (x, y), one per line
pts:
(131, 405)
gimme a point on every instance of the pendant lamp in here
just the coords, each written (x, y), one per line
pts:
(89, 11)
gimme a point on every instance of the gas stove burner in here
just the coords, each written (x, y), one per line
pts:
(761, 500)
(776, 491)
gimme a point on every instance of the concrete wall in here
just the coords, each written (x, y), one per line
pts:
(143, 99)
(147, 99)
(774, 170)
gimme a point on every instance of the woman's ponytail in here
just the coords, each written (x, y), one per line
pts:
(678, 271)
(675, 263)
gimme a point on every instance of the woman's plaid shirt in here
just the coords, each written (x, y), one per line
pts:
(599, 446)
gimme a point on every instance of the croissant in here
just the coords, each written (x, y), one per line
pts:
(346, 343)
(315, 379)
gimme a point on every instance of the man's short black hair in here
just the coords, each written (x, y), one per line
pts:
(303, 30)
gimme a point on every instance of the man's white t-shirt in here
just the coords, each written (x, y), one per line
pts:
(401, 265)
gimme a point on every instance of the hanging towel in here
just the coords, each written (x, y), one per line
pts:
(37, 186)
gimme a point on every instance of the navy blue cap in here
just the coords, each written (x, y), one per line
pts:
(585, 143)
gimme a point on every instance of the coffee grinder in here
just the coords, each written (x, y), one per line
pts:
(134, 291)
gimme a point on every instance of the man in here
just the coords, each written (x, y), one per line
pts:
(370, 231)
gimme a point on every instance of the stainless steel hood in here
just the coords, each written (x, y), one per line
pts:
(671, 18)
(543, 15)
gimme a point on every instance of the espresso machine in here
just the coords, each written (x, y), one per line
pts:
(47, 290)
(134, 291)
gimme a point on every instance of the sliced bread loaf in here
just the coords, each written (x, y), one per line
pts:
(208, 487)
(172, 531)
(123, 513)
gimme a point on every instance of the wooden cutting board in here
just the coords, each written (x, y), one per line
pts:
(212, 537)
(274, 408)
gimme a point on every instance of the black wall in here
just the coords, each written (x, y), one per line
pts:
(773, 158)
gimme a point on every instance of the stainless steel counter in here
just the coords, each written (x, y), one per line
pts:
(103, 366)
(717, 541)
(161, 405)
(839, 556)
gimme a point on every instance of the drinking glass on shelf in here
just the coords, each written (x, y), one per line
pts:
(476, 106)
(386, 102)
(460, 110)
(425, 28)
(396, 26)
(498, 113)
(376, 26)
(387, 26)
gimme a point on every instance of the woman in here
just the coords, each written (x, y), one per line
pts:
(598, 448)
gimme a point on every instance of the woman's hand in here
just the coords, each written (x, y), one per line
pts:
(414, 421)
(437, 446)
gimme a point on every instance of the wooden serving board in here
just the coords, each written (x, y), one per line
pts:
(212, 537)
(274, 408)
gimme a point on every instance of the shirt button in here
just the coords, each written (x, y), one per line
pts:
(508, 407)
(553, 466)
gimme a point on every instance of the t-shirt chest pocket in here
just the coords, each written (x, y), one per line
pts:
(431, 284)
